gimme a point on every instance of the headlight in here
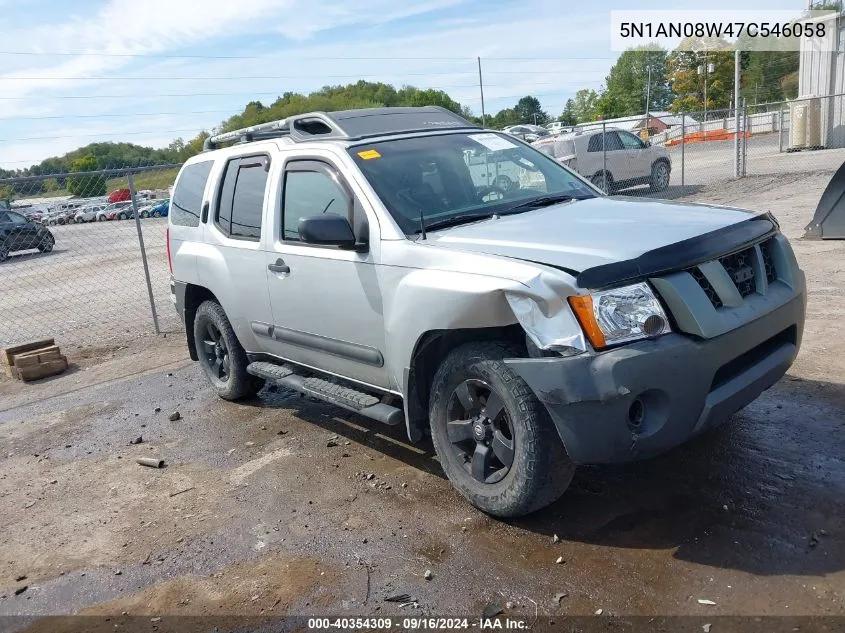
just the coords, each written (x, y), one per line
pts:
(620, 315)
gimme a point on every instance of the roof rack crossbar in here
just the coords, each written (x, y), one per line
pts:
(276, 129)
(345, 124)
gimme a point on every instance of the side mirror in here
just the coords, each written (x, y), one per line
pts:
(328, 230)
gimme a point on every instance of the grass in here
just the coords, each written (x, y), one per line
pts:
(162, 179)
(147, 180)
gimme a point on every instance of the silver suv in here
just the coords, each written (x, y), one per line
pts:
(363, 258)
(612, 159)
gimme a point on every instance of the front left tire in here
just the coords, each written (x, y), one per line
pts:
(493, 437)
(220, 354)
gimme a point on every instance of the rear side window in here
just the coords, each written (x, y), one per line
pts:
(187, 198)
(241, 203)
(613, 142)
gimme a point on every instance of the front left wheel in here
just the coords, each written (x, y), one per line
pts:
(220, 354)
(659, 176)
(494, 438)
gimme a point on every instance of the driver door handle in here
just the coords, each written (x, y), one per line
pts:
(279, 267)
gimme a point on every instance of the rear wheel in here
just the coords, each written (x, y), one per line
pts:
(4, 253)
(495, 440)
(659, 176)
(121, 216)
(156, 214)
(221, 356)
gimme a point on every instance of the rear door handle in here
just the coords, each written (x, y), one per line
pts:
(279, 267)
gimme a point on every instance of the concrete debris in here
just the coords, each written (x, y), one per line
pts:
(706, 627)
(559, 560)
(152, 462)
(174, 416)
(509, 605)
(20, 590)
(555, 539)
(428, 575)
(137, 440)
(560, 596)
(705, 601)
(599, 611)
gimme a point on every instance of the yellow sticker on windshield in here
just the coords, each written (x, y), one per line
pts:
(369, 154)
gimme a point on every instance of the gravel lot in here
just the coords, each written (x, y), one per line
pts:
(90, 288)
(259, 513)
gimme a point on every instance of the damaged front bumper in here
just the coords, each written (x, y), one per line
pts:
(647, 397)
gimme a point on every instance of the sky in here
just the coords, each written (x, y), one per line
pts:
(148, 71)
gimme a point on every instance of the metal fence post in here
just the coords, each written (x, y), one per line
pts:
(143, 251)
(745, 135)
(604, 156)
(683, 144)
(780, 130)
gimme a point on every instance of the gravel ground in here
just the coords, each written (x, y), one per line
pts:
(282, 505)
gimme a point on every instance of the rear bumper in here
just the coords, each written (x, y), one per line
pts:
(647, 397)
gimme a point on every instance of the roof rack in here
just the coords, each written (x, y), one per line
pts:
(347, 125)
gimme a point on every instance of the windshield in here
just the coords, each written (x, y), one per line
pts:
(474, 175)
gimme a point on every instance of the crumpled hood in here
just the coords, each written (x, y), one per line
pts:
(582, 234)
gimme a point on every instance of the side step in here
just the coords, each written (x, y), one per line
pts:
(334, 393)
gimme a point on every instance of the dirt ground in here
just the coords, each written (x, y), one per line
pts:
(282, 505)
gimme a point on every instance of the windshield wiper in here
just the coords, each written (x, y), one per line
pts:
(541, 201)
(455, 220)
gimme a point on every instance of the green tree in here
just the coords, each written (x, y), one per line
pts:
(529, 110)
(689, 86)
(86, 186)
(584, 105)
(568, 117)
(627, 84)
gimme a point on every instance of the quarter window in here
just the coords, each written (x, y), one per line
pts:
(187, 198)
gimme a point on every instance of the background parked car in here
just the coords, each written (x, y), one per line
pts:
(557, 127)
(54, 217)
(89, 213)
(528, 133)
(19, 233)
(119, 195)
(628, 161)
(110, 212)
(160, 209)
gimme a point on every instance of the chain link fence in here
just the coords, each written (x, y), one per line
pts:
(705, 148)
(84, 256)
(82, 260)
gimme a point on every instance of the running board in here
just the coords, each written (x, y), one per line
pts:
(344, 397)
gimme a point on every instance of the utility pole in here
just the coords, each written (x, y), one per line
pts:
(481, 89)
